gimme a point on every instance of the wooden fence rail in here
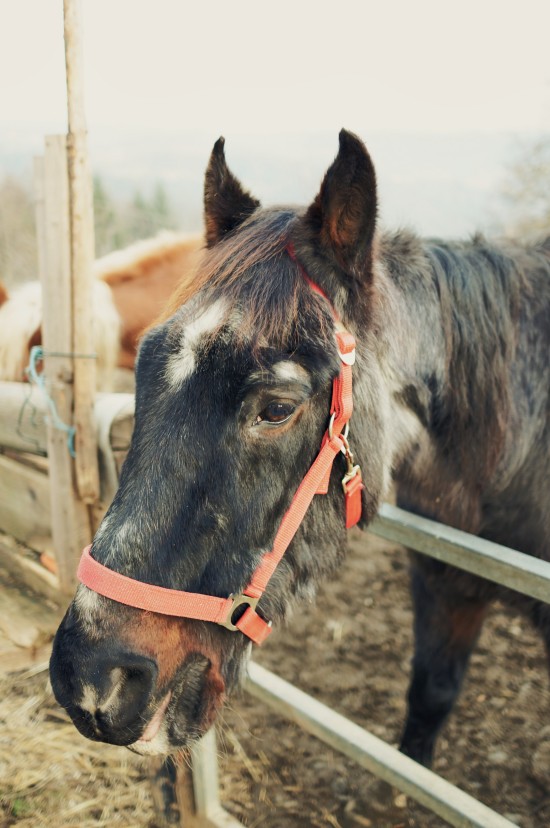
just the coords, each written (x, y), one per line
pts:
(26, 488)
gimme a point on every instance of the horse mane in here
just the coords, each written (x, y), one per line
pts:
(478, 285)
(479, 291)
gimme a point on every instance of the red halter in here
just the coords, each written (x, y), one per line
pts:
(194, 605)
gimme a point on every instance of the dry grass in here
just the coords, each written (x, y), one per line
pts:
(51, 777)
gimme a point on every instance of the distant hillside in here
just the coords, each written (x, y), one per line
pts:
(439, 184)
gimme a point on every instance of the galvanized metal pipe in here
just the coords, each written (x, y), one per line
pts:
(497, 563)
(384, 761)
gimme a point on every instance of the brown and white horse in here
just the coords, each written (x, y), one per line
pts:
(451, 391)
(130, 289)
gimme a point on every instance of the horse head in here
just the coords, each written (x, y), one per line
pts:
(232, 406)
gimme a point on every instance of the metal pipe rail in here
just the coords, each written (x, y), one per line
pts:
(373, 754)
(504, 566)
(512, 569)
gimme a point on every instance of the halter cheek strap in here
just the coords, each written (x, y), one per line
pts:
(223, 611)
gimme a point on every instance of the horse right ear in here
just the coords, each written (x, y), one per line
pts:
(341, 221)
(226, 203)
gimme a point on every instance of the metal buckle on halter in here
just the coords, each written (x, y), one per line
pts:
(237, 601)
(352, 469)
(349, 475)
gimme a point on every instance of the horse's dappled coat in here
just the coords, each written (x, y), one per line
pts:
(451, 400)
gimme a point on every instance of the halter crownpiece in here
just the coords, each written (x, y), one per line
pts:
(223, 611)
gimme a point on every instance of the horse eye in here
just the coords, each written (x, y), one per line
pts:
(276, 412)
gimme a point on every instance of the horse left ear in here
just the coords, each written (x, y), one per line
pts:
(226, 203)
(342, 219)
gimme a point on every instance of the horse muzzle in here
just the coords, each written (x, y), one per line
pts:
(118, 695)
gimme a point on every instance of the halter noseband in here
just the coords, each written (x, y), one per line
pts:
(222, 611)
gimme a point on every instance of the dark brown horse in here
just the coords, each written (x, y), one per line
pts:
(451, 394)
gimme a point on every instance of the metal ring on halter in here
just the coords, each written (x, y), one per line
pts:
(345, 432)
(240, 600)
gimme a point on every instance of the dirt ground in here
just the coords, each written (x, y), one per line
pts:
(351, 651)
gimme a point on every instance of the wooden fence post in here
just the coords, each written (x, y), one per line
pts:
(82, 256)
(70, 521)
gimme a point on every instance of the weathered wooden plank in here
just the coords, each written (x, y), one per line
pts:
(28, 571)
(505, 566)
(384, 761)
(25, 497)
(22, 417)
(70, 521)
(114, 416)
(24, 501)
(25, 620)
(23, 413)
(23, 428)
(33, 461)
(27, 625)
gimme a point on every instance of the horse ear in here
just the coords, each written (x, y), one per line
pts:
(226, 203)
(342, 219)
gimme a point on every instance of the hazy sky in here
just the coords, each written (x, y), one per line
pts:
(243, 66)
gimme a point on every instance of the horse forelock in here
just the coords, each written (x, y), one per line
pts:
(251, 272)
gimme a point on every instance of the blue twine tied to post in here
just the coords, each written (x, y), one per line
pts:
(37, 354)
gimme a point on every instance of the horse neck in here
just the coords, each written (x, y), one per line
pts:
(442, 372)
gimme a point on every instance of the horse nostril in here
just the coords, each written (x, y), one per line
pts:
(126, 693)
(138, 682)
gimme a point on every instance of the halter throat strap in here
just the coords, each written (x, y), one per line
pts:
(238, 612)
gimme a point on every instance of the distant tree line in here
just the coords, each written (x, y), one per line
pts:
(18, 254)
(117, 224)
(526, 192)
(526, 196)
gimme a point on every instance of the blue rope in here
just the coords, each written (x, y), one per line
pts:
(37, 354)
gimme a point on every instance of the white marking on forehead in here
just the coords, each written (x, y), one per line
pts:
(182, 365)
(287, 370)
